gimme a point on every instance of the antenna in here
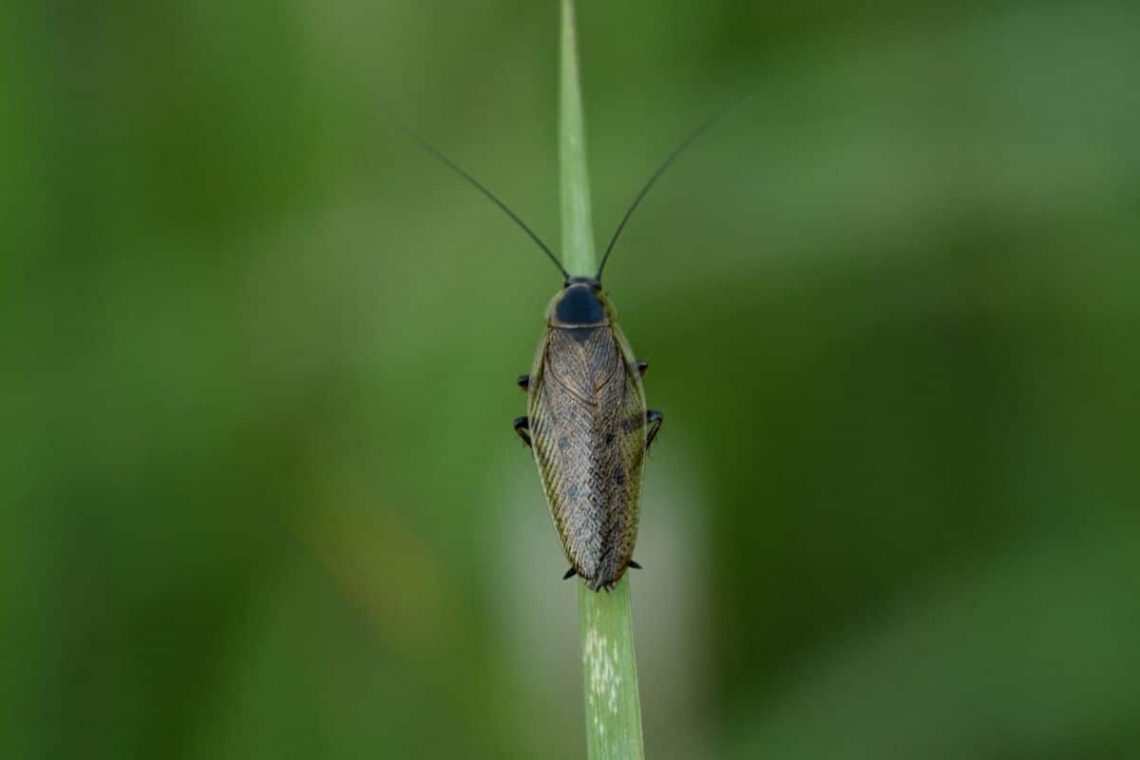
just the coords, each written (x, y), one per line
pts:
(439, 156)
(692, 136)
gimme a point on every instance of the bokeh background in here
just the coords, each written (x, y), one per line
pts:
(261, 497)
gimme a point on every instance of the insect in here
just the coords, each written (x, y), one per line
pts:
(587, 422)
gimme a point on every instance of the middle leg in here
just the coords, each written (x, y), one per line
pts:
(654, 418)
(522, 428)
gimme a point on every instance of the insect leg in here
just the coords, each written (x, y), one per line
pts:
(654, 418)
(522, 427)
(569, 573)
(642, 367)
(524, 381)
(634, 565)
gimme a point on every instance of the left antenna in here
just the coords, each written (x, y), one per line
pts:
(439, 156)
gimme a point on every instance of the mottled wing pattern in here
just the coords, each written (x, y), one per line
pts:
(587, 426)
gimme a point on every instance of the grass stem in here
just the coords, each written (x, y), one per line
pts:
(578, 253)
(609, 665)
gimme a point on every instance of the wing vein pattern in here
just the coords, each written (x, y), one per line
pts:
(587, 423)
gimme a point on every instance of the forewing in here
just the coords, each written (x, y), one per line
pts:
(587, 422)
(627, 460)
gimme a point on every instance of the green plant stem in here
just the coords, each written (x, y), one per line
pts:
(578, 254)
(609, 673)
(609, 666)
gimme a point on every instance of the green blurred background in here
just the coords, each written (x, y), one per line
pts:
(261, 497)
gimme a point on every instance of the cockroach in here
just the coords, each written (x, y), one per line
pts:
(587, 422)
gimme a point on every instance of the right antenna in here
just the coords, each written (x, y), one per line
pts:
(661, 170)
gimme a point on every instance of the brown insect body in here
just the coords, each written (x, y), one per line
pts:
(589, 432)
(586, 421)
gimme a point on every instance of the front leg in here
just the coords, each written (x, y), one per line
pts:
(522, 427)
(654, 418)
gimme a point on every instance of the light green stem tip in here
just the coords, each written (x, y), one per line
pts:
(578, 254)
